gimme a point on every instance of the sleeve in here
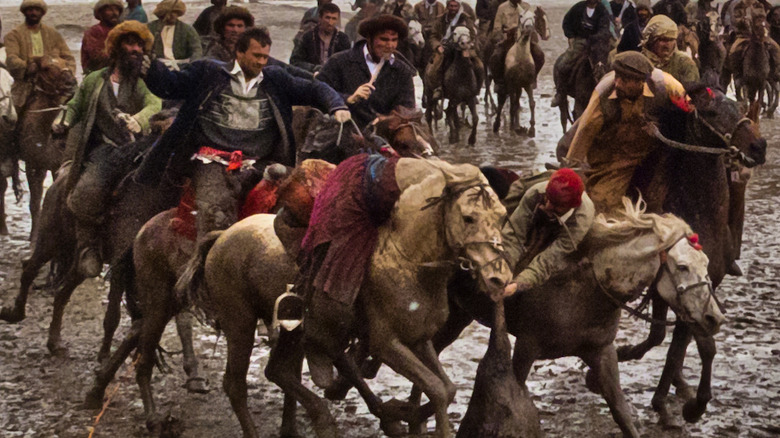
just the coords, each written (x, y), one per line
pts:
(195, 46)
(569, 23)
(516, 228)
(176, 85)
(342, 44)
(309, 93)
(437, 33)
(498, 26)
(591, 121)
(74, 109)
(299, 57)
(406, 96)
(202, 23)
(330, 74)
(552, 259)
(64, 51)
(483, 10)
(152, 106)
(689, 72)
(93, 55)
(16, 65)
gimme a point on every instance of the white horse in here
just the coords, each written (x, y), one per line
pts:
(8, 160)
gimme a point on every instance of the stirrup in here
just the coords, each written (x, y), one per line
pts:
(288, 311)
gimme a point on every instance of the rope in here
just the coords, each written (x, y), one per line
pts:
(111, 393)
(653, 131)
(45, 110)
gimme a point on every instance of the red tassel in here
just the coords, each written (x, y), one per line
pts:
(693, 238)
(709, 91)
(236, 159)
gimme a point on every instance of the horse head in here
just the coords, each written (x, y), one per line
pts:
(416, 34)
(730, 124)
(598, 48)
(54, 77)
(540, 23)
(8, 116)
(473, 216)
(461, 36)
(406, 132)
(685, 285)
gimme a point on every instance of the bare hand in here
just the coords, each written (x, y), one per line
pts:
(32, 68)
(440, 49)
(362, 93)
(342, 116)
(59, 128)
(130, 122)
(145, 64)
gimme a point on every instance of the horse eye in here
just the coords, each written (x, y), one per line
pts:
(683, 268)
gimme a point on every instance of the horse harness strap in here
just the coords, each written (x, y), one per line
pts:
(631, 310)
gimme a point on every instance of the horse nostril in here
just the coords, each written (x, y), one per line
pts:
(713, 323)
(496, 282)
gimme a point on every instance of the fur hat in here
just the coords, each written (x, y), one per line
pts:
(230, 13)
(103, 3)
(632, 65)
(129, 26)
(166, 6)
(565, 189)
(34, 4)
(371, 26)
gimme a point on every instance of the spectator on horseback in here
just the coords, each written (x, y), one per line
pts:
(26, 44)
(235, 120)
(659, 45)
(444, 46)
(623, 11)
(320, 43)
(585, 20)
(134, 11)
(228, 26)
(312, 14)
(486, 11)
(426, 12)
(111, 108)
(372, 77)
(610, 138)
(205, 23)
(698, 11)
(175, 42)
(93, 45)
(674, 9)
(400, 8)
(748, 19)
(509, 17)
(547, 226)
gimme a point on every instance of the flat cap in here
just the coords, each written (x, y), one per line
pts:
(633, 65)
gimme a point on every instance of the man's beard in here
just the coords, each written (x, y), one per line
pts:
(129, 65)
(31, 21)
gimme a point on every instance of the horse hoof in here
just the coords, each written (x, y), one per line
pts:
(392, 428)
(686, 393)
(94, 399)
(668, 421)
(531, 132)
(693, 410)
(3, 230)
(337, 391)
(9, 315)
(57, 349)
(325, 427)
(592, 382)
(472, 141)
(103, 355)
(197, 385)
(496, 125)
(520, 131)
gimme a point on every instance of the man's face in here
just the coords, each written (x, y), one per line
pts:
(109, 15)
(328, 22)
(171, 17)
(643, 15)
(628, 88)
(254, 59)
(33, 15)
(131, 55)
(452, 8)
(233, 29)
(384, 43)
(663, 47)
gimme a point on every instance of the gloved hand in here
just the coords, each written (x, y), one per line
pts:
(342, 116)
(130, 122)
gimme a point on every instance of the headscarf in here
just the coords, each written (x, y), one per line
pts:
(660, 26)
(565, 189)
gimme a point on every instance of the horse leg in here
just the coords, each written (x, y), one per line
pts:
(104, 376)
(240, 333)
(532, 107)
(61, 298)
(514, 113)
(475, 120)
(604, 365)
(41, 254)
(674, 361)
(3, 187)
(35, 179)
(501, 102)
(286, 357)
(695, 407)
(654, 339)
(195, 383)
(113, 312)
(453, 122)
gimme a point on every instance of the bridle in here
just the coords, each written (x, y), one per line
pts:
(409, 123)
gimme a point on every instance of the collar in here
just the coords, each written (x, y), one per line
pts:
(564, 217)
(368, 58)
(646, 92)
(238, 74)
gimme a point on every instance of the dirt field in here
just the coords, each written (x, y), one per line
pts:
(40, 395)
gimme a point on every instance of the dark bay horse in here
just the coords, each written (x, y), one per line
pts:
(587, 72)
(461, 85)
(712, 54)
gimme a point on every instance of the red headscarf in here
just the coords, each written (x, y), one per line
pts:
(565, 189)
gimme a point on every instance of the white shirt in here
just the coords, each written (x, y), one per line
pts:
(244, 86)
(166, 34)
(372, 66)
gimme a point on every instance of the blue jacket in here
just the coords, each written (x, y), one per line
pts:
(204, 80)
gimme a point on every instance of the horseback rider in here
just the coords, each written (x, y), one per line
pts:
(549, 224)
(235, 119)
(509, 18)
(372, 77)
(134, 11)
(204, 24)
(26, 44)
(426, 12)
(748, 18)
(443, 46)
(623, 11)
(321, 42)
(585, 20)
(697, 11)
(175, 42)
(110, 109)
(400, 8)
(610, 138)
(659, 45)
(93, 45)
(486, 11)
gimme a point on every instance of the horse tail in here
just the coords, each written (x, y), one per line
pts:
(190, 289)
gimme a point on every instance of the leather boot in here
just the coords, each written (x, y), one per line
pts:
(326, 335)
(90, 263)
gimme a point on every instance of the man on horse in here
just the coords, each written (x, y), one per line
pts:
(371, 77)
(548, 225)
(321, 42)
(748, 18)
(93, 45)
(674, 9)
(426, 12)
(443, 46)
(659, 45)
(236, 119)
(111, 107)
(204, 24)
(509, 18)
(26, 44)
(175, 41)
(228, 27)
(400, 8)
(585, 20)
(610, 138)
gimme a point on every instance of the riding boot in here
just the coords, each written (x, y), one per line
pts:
(326, 328)
(90, 262)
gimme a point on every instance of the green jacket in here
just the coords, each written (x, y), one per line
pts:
(679, 65)
(186, 41)
(569, 231)
(80, 115)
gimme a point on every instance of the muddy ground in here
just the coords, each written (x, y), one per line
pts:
(40, 395)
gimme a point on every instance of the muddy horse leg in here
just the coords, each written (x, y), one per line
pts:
(654, 339)
(475, 120)
(113, 311)
(195, 383)
(104, 376)
(453, 122)
(3, 187)
(532, 108)
(501, 101)
(35, 179)
(41, 254)
(674, 360)
(61, 298)
(695, 407)
(604, 365)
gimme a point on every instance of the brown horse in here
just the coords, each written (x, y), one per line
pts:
(53, 85)
(519, 75)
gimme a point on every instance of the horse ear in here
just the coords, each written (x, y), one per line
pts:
(754, 111)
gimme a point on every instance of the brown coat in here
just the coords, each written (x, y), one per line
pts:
(425, 18)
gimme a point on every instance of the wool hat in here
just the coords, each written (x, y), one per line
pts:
(34, 4)
(166, 6)
(564, 189)
(372, 26)
(230, 13)
(125, 27)
(633, 65)
(103, 3)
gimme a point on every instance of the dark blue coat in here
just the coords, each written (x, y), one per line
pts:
(204, 80)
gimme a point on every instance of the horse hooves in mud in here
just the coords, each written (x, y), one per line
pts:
(521, 130)
(167, 427)
(693, 410)
(197, 385)
(531, 132)
(9, 314)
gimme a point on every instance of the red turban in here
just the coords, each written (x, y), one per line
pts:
(565, 189)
